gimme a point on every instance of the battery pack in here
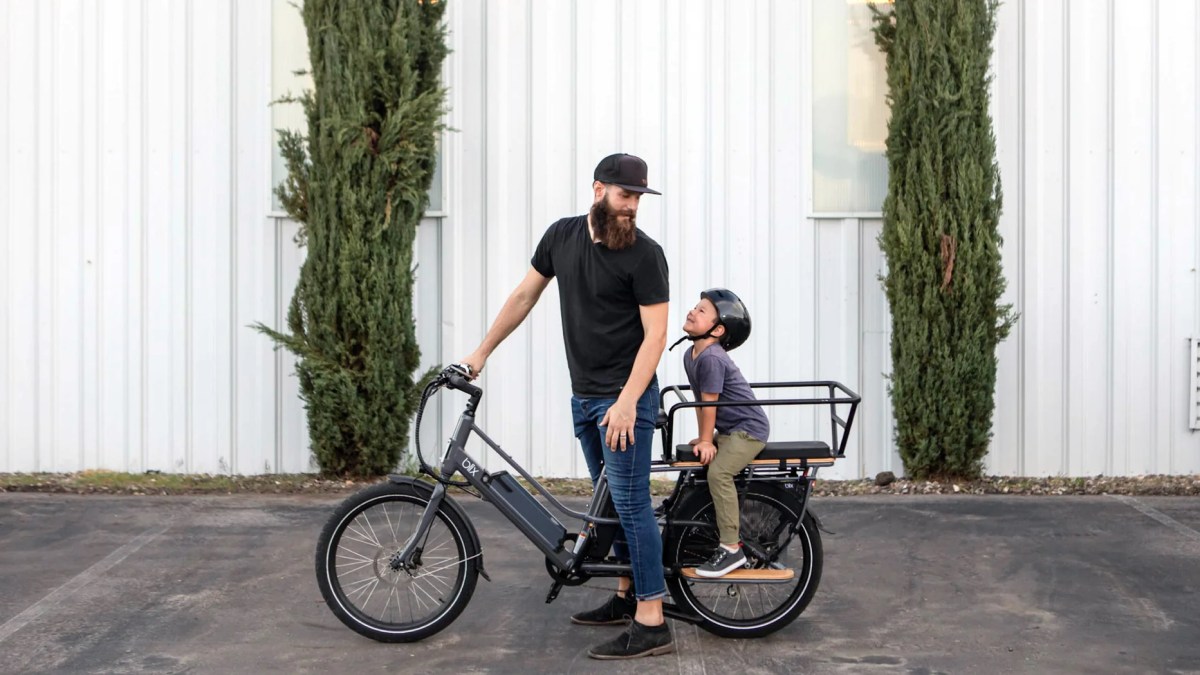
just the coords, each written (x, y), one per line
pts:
(528, 508)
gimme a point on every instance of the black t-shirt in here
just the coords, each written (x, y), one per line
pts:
(599, 292)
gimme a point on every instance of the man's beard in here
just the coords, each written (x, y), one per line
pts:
(610, 228)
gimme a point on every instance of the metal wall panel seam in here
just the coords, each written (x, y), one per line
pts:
(808, 361)
(1110, 235)
(1065, 316)
(576, 455)
(721, 226)
(662, 123)
(528, 225)
(91, 372)
(38, 307)
(128, 366)
(6, 275)
(46, 156)
(1195, 205)
(277, 245)
(143, 305)
(859, 439)
(1154, 237)
(126, 315)
(1021, 240)
(233, 241)
(708, 130)
(772, 298)
(188, 221)
(96, 232)
(483, 191)
(1195, 191)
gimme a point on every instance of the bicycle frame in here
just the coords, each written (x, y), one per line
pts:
(546, 531)
(540, 526)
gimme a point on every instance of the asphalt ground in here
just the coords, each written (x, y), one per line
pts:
(915, 584)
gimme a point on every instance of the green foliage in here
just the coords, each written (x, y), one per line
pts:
(357, 182)
(940, 233)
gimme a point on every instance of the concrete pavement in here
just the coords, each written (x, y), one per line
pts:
(911, 584)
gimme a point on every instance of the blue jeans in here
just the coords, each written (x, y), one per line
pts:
(629, 483)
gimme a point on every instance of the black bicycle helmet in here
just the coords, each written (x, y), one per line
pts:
(731, 313)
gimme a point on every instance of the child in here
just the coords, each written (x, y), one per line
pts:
(718, 324)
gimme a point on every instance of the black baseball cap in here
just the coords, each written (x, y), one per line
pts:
(624, 171)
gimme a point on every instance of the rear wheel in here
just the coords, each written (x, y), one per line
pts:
(369, 591)
(776, 536)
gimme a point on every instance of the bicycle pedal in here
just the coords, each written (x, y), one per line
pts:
(554, 589)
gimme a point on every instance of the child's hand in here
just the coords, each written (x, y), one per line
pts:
(706, 451)
(694, 441)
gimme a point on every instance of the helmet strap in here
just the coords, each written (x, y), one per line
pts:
(693, 338)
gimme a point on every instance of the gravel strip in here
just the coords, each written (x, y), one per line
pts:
(104, 483)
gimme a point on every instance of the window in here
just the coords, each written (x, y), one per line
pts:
(850, 110)
(289, 53)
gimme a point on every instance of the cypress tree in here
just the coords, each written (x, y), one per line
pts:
(357, 182)
(940, 233)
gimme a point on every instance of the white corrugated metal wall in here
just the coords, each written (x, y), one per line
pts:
(135, 240)
(139, 243)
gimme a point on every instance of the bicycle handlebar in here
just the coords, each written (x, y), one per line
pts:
(458, 377)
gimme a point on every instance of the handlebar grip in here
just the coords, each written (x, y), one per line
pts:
(457, 381)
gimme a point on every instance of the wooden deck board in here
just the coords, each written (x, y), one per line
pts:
(744, 575)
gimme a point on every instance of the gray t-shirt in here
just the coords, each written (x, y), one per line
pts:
(713, 372)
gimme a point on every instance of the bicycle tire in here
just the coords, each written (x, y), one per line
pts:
(772, 520)
(353, 563)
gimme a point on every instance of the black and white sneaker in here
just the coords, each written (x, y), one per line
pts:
(721, 563)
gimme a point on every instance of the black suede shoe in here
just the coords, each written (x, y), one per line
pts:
(636, 641)
(619, 610)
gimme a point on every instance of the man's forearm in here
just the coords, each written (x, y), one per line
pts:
(514, 311)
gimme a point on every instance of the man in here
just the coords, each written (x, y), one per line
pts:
(613, 292)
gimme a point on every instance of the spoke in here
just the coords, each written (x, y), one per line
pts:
(356, 587)
(438, 568)
(411, 612)
(388, 517)
(395, 593)
(361, 536)
(435, 549)
(416, 587)
(441, 580)
(387, 602)
(374, 537)
(353, 555)
(362, 526)
(367, 586)
(343, 570)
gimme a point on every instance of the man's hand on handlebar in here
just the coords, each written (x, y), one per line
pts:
(463, 369)
(475, 363)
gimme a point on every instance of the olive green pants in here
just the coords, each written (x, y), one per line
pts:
(734, 452)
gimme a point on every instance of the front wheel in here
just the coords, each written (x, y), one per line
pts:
(372, 593)
(773, 524)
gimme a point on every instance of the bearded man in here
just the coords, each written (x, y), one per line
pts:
(613, 293)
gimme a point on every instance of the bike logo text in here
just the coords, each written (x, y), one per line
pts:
(470, 467)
